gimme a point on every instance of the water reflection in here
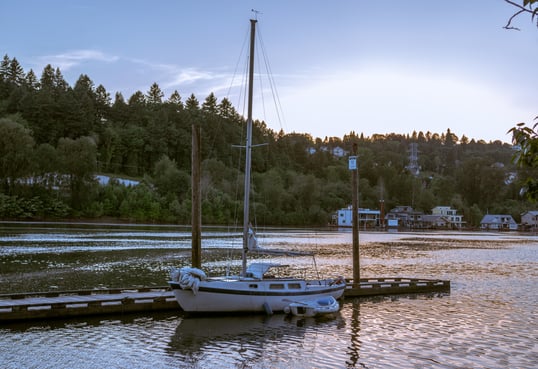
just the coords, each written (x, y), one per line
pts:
(86, 322)
(249, 341)
(354, 347)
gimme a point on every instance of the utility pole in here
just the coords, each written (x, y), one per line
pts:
(355, 216)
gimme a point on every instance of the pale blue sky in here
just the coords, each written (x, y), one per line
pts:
(339, 66)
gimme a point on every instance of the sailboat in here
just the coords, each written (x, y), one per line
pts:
(254, 290)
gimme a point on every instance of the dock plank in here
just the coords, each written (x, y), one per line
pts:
(394, 286)
(71, 304)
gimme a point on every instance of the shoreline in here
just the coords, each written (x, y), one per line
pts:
(117, 223)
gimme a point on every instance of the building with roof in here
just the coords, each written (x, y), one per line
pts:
(498, 222)
(367, 218)
(450, 216)
(529, 220)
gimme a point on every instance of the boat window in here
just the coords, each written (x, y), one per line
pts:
(294, 286)
(253, 286)
(279, 286)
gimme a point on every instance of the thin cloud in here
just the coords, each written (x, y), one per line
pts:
(190, 76)
(74, 58)
(174, 76)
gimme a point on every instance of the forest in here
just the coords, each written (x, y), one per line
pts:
(55, 138)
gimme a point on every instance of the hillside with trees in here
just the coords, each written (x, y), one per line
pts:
(55, 138)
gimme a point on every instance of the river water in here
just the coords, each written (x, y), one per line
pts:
(488, 320)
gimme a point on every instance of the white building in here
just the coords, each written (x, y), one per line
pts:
(339, 152)
(450, 215)
(367, 218)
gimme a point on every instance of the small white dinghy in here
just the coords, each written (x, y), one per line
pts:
(312, 308)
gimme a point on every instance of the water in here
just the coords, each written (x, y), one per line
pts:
(489, 319)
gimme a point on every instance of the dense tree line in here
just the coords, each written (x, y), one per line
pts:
(55, 138)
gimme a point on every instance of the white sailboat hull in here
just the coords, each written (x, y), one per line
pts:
(251, 295)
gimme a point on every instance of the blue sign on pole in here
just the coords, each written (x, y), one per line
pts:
(352, 163)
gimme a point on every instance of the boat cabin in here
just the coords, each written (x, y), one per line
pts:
(259, 270)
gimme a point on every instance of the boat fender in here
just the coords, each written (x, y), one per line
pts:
(195, 285)
(175, 274)
(267, 308)
(189, 278)
(195, 272)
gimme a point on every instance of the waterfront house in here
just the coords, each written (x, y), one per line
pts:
(400, 216)
(498, 222)
(435, 221)
(449, 215)
(367, 218)
(529, 219)
(415, 220)
(442, 217)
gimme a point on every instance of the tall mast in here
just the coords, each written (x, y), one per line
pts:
(248, 146)
(196, 197)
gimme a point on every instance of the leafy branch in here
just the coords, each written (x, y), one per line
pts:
(526, 156)
(525, 138)
(527, 7)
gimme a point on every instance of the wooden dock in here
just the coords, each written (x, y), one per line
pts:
(394, 286)
(67, 304)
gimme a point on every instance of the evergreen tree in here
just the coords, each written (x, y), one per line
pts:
(60, 84)
(31, 80)
(154, 97)
(4, 67)
(119, 112)
(47, 79)
(85, 117)
(102, 103)
(175, 100)
(15, 74)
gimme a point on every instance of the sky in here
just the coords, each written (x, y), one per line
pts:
(340, 66)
